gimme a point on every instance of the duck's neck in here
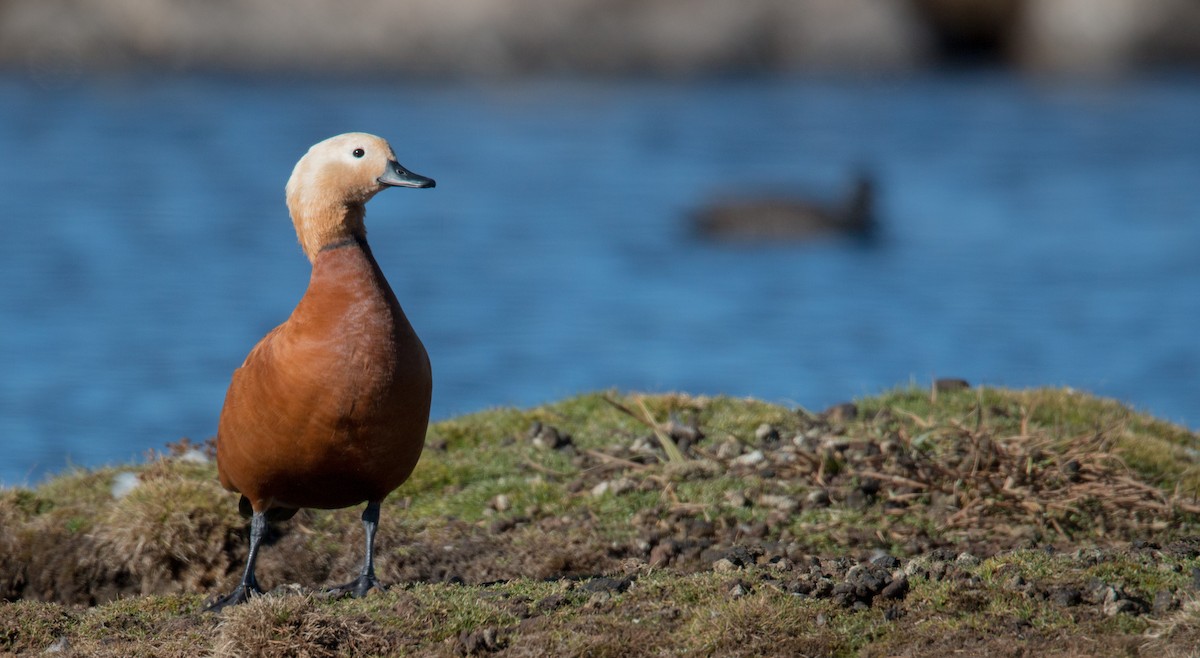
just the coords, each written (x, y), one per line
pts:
(329, 226)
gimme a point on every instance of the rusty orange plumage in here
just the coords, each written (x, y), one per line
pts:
(330, 409)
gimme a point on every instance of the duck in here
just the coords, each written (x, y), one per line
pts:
(330, 409)
(782, 217)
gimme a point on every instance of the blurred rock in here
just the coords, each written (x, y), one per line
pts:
(548, 437)
(466, 37)
(1107, 37)
(56, 40)
(123, 483)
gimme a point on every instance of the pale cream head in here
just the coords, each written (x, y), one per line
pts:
(334, 180)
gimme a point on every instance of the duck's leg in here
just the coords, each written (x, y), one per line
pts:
(249, 585)
(366, 578)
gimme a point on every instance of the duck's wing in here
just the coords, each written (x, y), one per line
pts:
(247, 407)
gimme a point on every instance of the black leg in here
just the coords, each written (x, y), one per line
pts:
(366, 577)
(249, 585)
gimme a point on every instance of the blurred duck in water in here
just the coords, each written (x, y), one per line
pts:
(774, 217)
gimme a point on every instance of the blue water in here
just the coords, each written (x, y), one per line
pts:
(1033, 235)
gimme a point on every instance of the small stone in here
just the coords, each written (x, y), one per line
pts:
(967, 560)
(806, 443)
(782, 503)
(729, 449)
(548, 437)
(684, 435)
(1108, 594)
(739, 589)
(611, 585)
(724, 565)
(1116, 602)
(486, 640)
(500, 503)
(843, 588)
(1121, 606)
(917, 567)
(786, 455)
(1164, 602)
(751, 458)
(938, 571)
(869, 486)
(615, 487)
(766, 434)
(886, 561)
(740, 554)
(818, 498)
(857, 500)
(834, 445)
(123, 483)
(662, 553)
(193, 456)
(756, 530)
(897, 589)
(1066, 597)
(698, 528)
(622, 485)
(779, 563)
(822, 589)
(736, 499)
(867, 580)
(643, 444)
(840, 413)
(501, 525)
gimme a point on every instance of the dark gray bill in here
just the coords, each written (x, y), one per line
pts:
(395, 174)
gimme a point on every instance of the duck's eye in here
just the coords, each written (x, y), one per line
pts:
(358, 153)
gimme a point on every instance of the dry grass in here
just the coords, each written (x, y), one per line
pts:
(294, 626)
(171, 534)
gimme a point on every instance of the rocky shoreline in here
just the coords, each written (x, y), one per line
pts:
(470, 38)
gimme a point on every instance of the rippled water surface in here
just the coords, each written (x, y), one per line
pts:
(1032, 236)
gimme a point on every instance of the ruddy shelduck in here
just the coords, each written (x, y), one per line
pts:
(330, 409)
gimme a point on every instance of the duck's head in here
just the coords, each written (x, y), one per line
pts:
(334, 180)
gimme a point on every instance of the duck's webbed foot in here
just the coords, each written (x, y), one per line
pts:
(356, 588)
(240, 594)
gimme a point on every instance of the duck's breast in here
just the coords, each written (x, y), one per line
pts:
(331, 408)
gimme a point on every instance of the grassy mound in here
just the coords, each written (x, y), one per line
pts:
(917, 522)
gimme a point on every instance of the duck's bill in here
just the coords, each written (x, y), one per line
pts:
(397, 176)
